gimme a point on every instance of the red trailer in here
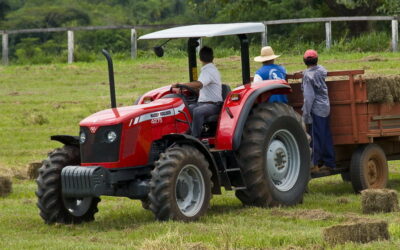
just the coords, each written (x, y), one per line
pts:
(365, 134)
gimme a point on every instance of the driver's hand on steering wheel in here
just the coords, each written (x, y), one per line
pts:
(175, 85)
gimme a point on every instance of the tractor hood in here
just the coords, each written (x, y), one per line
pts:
(118, 115)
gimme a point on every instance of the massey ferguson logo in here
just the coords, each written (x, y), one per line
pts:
(93, 129)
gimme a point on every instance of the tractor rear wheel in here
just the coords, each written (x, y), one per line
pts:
(274, 157)
(180, 187)
(53, 206)
(369, 168)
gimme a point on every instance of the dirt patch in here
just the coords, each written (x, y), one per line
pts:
(373, 58)
(306, 214)
(18, 174)
(70, 66)
(171, 240)
(360, 232)
(233, 58)
(152, 66)
(32, 170)
(14, 94)
(383, 89)
(342, 200)
(379, 201)
(13, 173)
(5, 186)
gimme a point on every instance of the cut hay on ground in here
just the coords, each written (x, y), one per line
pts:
(359, 232)
(379, 201)
(306, 214)
(383, 89)
(5, 186)
(33, 170)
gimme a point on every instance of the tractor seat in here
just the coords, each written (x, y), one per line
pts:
(225, 91)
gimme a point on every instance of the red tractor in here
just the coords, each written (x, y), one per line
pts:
(256, 148)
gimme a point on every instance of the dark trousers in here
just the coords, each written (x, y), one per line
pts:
(199, 112)
(321, 142)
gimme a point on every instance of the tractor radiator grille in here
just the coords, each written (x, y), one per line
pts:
(96, 149)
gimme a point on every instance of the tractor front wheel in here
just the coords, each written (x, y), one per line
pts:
(53, 206)
(274, 157)
(180, 188)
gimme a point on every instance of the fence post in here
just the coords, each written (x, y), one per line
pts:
(70, 46)
(264, 36)
(395, 35)
(5, 48)
(133, 43)
(328, 31)
(198, 48)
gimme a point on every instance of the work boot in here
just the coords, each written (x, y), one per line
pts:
(324, 169)
(315, 169)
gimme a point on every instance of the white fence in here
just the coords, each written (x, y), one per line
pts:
(393, 20)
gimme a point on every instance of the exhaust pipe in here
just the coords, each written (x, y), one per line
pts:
(111, 78)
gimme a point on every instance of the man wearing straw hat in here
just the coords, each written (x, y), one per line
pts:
(270, 71)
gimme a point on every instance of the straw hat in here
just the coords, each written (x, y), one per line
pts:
(266, 54)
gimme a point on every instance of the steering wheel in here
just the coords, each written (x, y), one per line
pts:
(194, 95)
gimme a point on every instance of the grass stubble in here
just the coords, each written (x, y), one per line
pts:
(39, 101)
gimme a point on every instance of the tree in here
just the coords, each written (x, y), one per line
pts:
(4, 8)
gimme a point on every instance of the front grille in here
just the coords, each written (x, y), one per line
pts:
(97, 149)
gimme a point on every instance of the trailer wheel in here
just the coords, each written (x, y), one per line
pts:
(53, 206)
(346, 176)
(180, 187)
(274, 156)
(369, 168)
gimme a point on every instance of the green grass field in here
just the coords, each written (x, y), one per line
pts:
(39, 101)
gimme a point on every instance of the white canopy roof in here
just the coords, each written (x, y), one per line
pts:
(206, 30)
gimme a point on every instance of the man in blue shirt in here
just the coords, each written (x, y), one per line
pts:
(270, 71)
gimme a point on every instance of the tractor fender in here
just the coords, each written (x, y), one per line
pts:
(244, 114)
(194, 142)
(68, 140)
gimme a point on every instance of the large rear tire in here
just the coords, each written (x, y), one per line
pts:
(274, 156)
(53, 206)
(369, 168)
(180, 187)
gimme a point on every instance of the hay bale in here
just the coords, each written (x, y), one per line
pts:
(33, 170)
(18, 174)
(5, 186)
(359, 232)
(379, 201)
(383, 89)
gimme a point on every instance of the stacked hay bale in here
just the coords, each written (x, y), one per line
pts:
(383, 89)
(361, 231)
(379, 201)
(5, 186)
(33, 170)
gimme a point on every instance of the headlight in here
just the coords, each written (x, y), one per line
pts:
(111, 136)
(82, 138)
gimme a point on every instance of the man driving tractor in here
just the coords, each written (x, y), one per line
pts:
(210, 91)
